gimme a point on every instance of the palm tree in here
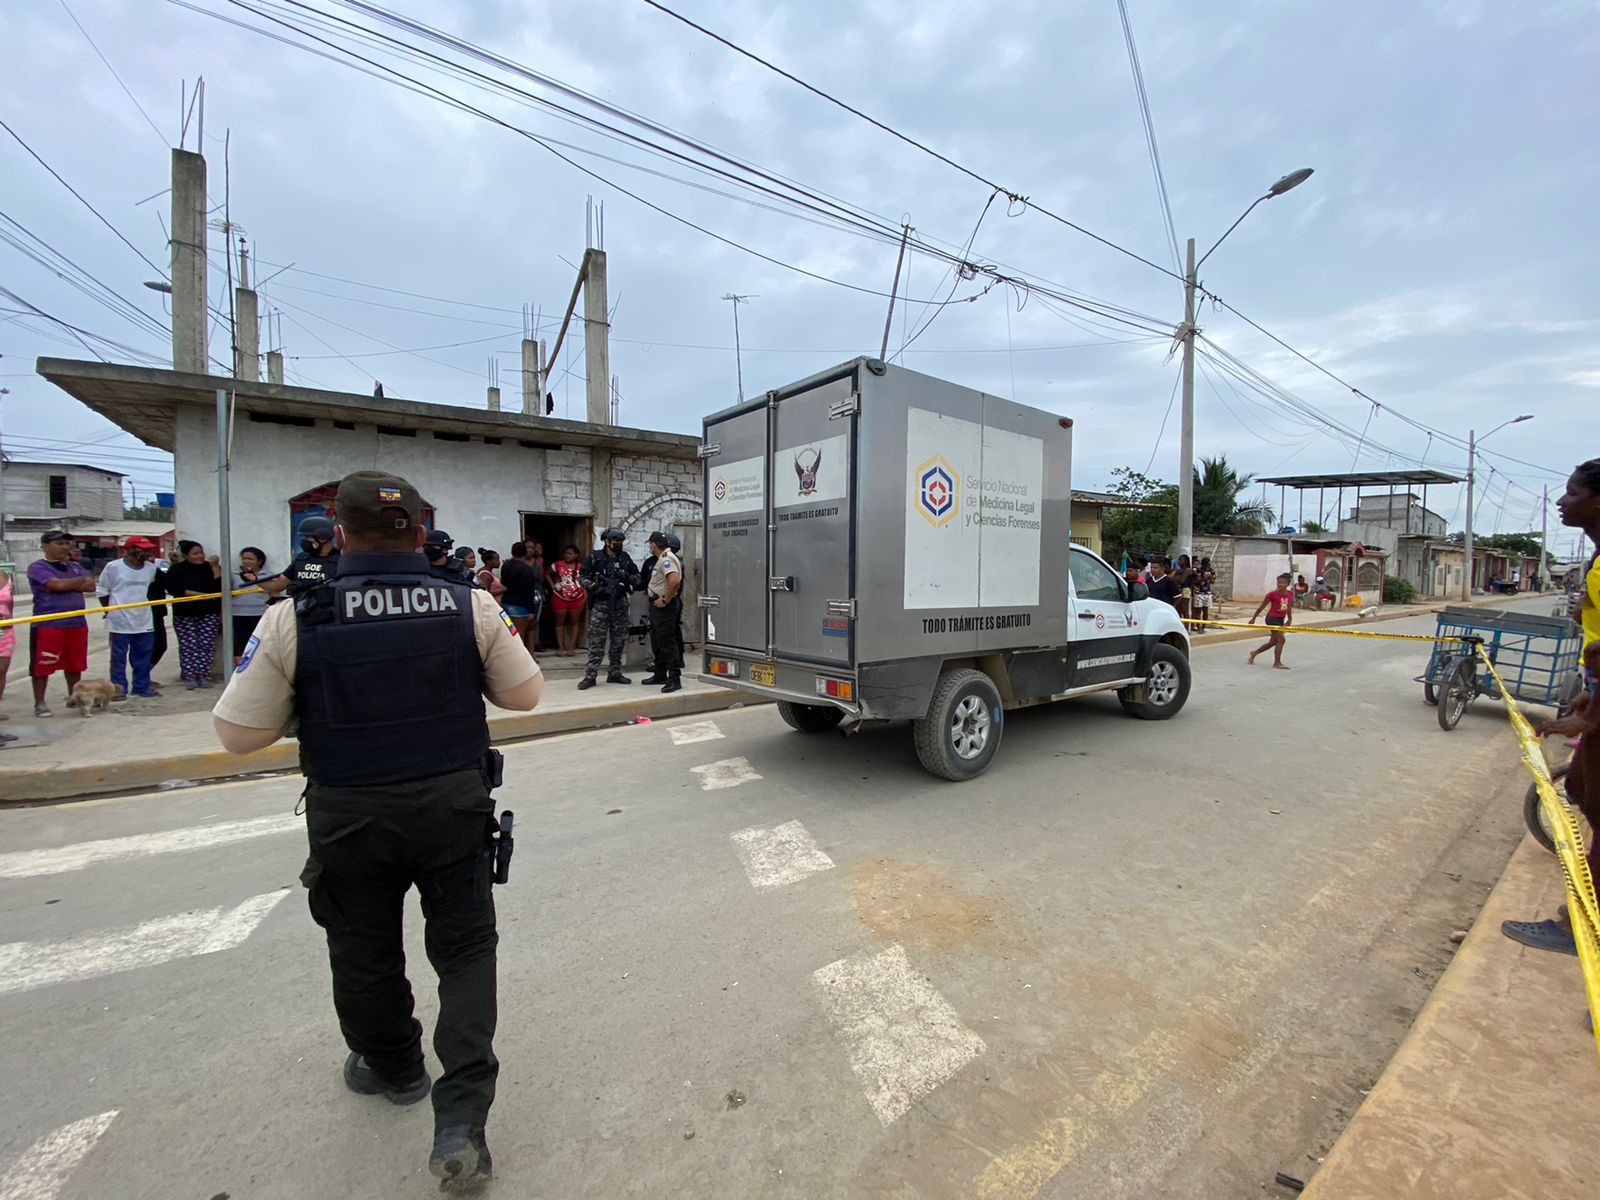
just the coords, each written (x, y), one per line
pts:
(1217, 507)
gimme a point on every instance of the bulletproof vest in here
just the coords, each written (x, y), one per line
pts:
(311, 570)
(388, 682)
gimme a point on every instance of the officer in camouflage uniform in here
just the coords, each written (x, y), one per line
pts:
(610, 577)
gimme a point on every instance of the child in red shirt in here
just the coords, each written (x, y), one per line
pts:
(1280, 614)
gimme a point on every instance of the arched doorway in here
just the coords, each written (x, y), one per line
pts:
(318, 502)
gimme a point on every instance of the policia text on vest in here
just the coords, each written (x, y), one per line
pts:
(386, 669)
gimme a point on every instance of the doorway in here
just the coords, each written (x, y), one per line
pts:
(553, 531)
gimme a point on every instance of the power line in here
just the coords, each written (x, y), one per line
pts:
(1149, 132)
(113, 71)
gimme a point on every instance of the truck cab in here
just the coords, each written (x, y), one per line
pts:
(882, 545)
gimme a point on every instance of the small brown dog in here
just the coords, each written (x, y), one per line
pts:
(90, 694)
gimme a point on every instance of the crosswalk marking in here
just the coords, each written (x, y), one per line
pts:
(21, 864)
(694, 731)
(44, 1167)
(904, 1038)
(28, 965)
(781, 855)
(728, 773)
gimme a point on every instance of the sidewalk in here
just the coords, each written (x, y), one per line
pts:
(1495, 1093)
(116, 750)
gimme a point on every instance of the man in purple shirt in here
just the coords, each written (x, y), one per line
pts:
(58, 585)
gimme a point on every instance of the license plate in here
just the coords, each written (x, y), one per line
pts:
(764, 673)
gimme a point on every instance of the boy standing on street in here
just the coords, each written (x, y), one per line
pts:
(133, 630)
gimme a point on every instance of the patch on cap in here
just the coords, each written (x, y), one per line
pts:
(388, 495)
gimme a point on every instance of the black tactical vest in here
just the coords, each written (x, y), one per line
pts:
(388, 683)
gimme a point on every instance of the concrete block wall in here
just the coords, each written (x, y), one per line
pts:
(653, 493)
(1220, 550)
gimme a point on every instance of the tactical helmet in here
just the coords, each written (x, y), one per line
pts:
(613, 532)
(316, 527)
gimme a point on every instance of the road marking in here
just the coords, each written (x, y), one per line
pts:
(905, 1039)
(695, 731)
(774, 857)
(43, 1168)
(730, 772)
(20, 864)
(28, 965)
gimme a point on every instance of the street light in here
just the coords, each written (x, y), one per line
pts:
(1185, 543)
(1472, 454)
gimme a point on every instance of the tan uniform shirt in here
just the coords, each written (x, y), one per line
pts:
(260, 694)
(666, 565)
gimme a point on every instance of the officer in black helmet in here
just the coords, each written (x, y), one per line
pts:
(442, 564)
(313, 565)
(386, 668)
(609, 576)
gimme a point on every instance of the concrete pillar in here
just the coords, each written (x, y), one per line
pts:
(274, 366)
(494, 399)
(247, 358)
(532, 397)
(189, 341)
(600, 488)
(597, 341)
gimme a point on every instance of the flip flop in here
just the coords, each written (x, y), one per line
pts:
(1541, 935)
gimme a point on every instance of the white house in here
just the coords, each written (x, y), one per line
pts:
(489, 478)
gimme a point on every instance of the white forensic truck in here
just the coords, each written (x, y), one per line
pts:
(882, 545)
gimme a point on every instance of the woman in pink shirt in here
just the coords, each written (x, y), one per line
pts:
(1280, 615)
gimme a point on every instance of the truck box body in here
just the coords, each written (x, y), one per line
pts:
(871, 523)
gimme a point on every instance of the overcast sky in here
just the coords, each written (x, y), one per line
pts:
(1441, 260)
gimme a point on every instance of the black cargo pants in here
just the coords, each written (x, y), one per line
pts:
(369, 846)
(666, 635)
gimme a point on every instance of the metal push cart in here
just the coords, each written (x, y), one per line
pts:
(1536, 656)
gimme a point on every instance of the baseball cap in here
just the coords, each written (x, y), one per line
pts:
(139, 543)
(370, 501)
(54, 535)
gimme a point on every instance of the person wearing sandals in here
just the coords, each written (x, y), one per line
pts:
(198, 623)
(1280, 605)
(1579, 507)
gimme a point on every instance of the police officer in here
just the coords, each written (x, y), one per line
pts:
(609, 575)
(442, 564)
(663, 590)
(313, 565)
(397, 794)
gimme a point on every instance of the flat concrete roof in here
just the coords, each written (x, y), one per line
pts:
(144, 401)
(1350, 479)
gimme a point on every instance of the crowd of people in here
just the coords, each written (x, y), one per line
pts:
(1183, 583)
(524, 583)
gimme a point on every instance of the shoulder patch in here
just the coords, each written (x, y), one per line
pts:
(249, 653)
(506, 621)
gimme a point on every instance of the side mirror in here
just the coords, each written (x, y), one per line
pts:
(1138, 591)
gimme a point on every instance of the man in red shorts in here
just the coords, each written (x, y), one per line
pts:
(58, 585)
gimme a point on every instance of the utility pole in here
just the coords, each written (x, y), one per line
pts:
(1186, 428)
(188, 262)
(247, 352)
(738, 359)
(894, 288)
(1466, 540)
(224, 530)
(1544, 528)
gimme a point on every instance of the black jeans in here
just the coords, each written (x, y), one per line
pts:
(369, 845)
(666, 635)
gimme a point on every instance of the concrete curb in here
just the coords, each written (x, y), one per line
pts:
(1477, 1100)
(31, 785)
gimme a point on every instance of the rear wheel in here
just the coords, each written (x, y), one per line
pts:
(810, 718)
(1458, 692)
(1165, 690)
(961, 732)
(1533, 811)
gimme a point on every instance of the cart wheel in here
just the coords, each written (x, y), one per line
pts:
(1455, 697)
(1533, 811)
(1429, 696)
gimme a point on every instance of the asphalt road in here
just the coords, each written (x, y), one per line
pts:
(1132, 960)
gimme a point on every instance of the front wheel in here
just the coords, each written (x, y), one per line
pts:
(810, 718)
(1164, 691)
(960, 734)
(1533, 811)
(1458, 692)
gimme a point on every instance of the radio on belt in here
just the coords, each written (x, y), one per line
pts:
(922, 534)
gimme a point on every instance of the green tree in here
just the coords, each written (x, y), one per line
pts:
(1217, 506)
(148, 511)
(1142, 530)
(1524, 544)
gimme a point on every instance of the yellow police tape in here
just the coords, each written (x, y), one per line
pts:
(1367, 633)
(85, 612)
(1581, 904)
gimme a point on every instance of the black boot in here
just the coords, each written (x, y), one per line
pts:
(617, 677)
(674, 683)
(460, 1158)
(655, 679)
(363, 1080)
(586, 683)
